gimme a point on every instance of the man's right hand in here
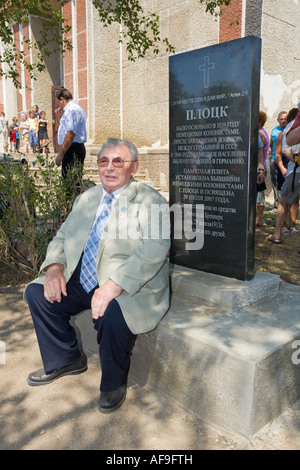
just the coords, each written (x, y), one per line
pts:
(55, 283)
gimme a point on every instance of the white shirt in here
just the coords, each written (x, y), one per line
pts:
(25, 123)
(101, 203)
(73, 119)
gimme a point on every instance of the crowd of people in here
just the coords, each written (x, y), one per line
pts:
(284, 174)
(32, 132)
(28, 133)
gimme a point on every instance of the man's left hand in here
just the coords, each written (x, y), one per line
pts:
(102, 296)
(59, 158)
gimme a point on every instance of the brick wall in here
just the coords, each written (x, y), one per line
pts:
(25, 80)
(230, 26)
(75, 61)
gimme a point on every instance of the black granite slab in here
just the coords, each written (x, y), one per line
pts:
(214, 105)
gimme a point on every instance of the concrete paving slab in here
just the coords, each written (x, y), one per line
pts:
(230, 366)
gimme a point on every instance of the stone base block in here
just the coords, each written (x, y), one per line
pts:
(223, 291)
(232, 367)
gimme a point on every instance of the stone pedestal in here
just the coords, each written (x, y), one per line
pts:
(223, 351)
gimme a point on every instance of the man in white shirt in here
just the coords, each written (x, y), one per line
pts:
(71, 132)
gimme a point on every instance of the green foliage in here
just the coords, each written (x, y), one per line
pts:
(51, 36)
(35, 202)
(140, 30)
(213, 7)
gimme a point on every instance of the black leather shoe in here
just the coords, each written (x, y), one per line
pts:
(40, 378)
(110, 401)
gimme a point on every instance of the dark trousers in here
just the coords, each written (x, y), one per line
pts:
(76, 152)
(57, 338)
(274, 169)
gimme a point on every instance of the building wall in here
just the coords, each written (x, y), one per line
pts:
(132, 101)
(75, 61)
(280, 81)
(103, 79)
(231, 21)
(127, 99)
(33, 91)
(146, 82)
(41, 88)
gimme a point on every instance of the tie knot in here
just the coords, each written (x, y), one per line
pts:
(108, 198)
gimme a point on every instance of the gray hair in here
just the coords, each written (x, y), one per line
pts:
(115, 142)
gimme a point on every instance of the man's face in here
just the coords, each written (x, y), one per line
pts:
(62, 102)
(23, 117)
(282, 119)
(114, 178)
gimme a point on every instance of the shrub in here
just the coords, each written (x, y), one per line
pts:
(34, 202)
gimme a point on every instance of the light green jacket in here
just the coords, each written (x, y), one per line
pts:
(132, 252)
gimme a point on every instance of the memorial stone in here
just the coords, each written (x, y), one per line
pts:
(214, 105)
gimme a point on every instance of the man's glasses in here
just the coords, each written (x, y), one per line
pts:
(117, 162)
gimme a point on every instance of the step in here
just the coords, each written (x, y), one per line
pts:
(231, 363)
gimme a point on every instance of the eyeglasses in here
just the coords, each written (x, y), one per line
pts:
(117, 162)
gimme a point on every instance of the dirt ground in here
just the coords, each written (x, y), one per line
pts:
(64, 416)
(282, 259)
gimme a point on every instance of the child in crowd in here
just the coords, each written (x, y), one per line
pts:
(12, 138)
(16, 126)
(43, 126)
(25, 131)
(33, 142)
(36, 111)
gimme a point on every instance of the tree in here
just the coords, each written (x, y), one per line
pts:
(140, 30)
(51, 38)
(214, 7)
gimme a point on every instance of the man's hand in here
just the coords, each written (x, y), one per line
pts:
(68, 140)
(55, 283)
(59, 158)
(102, 296)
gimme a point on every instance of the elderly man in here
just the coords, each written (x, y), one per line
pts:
(123, 277)
(71, 132)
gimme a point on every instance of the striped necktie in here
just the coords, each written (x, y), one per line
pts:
(88, 274)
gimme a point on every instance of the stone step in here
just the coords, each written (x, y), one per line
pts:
(90, 171)
(224, 350)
